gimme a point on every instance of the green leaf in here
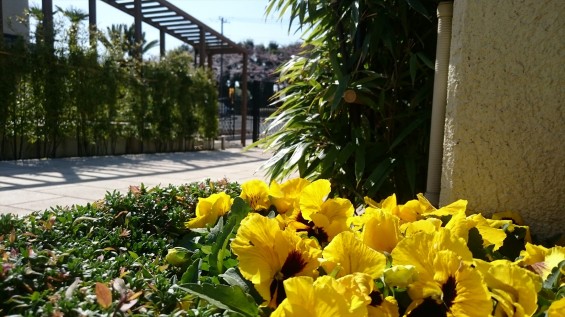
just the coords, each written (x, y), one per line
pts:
(553, 280)
(411, 173)
(345, 153)
(413, 67)
(231, 298)
(418, 6)
(239, 210)
(378, 176)
(359, 163)
(406, 131)
(427, 61)
(475, 244)
(192, 272)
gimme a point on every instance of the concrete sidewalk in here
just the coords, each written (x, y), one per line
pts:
(32, 185)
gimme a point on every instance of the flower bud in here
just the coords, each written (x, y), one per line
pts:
(178, 256)
(400, 275)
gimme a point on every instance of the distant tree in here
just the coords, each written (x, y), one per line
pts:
(273, 46)
(248, 44)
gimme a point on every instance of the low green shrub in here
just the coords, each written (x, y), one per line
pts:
(53, 260)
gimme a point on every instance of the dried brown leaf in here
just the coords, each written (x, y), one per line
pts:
(103, 295)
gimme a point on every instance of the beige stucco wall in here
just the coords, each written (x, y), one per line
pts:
(10, 10)
(504, 145)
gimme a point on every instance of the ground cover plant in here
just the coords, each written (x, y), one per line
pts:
(289, 249)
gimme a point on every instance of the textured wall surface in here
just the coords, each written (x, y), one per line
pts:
(504, 145)
(12, 9)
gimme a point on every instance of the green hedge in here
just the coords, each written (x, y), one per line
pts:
(94, 97)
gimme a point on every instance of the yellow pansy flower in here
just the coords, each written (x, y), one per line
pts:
(256, 194)
(383, 307)
(556, 308)
(421, 248)
(541, 259)
(324, 218)
(327, 296)
(458, 225)
(351, 255)
(456, 289)
(381, 229)
(451, 209)
(268, 255)
(209, 209)
(490, 235)
(285, 197)
(509, 215)
(515, 289)
(429, 225)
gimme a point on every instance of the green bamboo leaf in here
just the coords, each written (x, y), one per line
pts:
(231, 298)
(413, 67)
(426, 60)
(359, 164)
(378, 176)
(410, 167)
(406, 131)
(418, 6)
(345, 153)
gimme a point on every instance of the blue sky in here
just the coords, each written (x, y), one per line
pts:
(245, 19)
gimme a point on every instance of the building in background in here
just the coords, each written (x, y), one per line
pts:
(14, 19)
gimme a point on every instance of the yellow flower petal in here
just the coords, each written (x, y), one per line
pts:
(556, 308)
(519, 284)
(490, 235)
(209, 209)
(388, 308)
(285, 197)
(451, 209)
(420, 250)
(313, 196)
(429, 225)
(267, 256)
(352, 255)
(321, 298)
(256, 194)
(381, 230)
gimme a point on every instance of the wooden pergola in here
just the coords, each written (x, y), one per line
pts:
(171, 20)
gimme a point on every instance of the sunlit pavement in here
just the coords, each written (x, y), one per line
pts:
(32, 185)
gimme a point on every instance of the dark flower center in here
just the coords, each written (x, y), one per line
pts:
(293, 265)
(449, 291)
(313, 231)
(376, 298)
(428, 308)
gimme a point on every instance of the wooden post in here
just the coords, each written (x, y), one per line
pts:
(162, 51)
(202, 50)
(48, 33)
(92, 22)
(1, 25)
(244, 100)
(137, 25)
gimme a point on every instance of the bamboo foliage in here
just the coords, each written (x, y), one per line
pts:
(95, 98)
(357, 105)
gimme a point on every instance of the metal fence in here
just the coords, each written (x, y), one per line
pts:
(259, 108)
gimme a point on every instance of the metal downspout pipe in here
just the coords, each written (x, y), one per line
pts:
(433, 185)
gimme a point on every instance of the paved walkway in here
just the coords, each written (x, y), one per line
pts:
(32, 185)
